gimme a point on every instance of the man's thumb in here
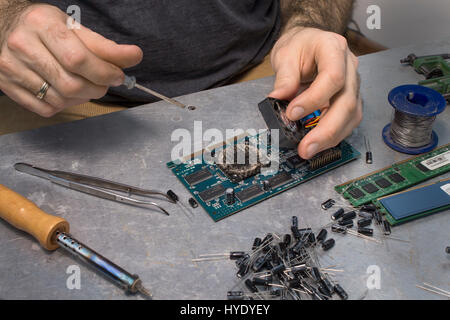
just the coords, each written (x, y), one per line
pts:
(123, 56)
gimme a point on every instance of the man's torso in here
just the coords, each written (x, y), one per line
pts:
(189, 45)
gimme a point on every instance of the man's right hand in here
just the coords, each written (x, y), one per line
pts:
(78, 64)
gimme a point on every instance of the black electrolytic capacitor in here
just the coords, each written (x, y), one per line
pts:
(294, 222)
(304, 233)
(366, 231)
(256, 243)
(266, 185)
(295, 233)
(327, 245)
(324, 290)
(275, 258)
(368, 207)
(346, 223)
(328, 204)
(249, 284)
(287, 239)
(339, 229)
(268, 265)
(235, 255)
(268, 238)
(260, 282)
(278, 269)
(322, 235)
(298, 268)
(235, 295)
(338, 214)
(293, 283)
(328, 284)
(311, 238)
(172, 195)
(349, 215)
(364, 222)
(298, 246)
(365, 215)
(193, 203)
(243, 260)
(377, 216)
(387, 228)
(259, 264)
(340, 292)
(243, 270)
(316, 273)
(275, 292)
(266, 242)
(282, 246)
(229, 193)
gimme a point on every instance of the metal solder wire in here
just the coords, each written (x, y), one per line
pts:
(411, 131)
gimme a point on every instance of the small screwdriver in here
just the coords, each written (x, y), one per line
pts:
(130, 83)
(52, 233)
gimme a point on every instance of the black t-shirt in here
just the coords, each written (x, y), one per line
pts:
(189, 45)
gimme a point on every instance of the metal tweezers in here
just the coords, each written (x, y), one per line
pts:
(95, 186)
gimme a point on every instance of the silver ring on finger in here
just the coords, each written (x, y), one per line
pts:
(43, 90)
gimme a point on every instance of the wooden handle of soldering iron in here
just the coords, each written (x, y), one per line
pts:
(26, 216)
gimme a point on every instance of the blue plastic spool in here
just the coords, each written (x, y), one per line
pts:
(417, 101)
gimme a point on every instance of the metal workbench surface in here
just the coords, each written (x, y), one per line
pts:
(133, 147)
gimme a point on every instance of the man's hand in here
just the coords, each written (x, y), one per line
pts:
(78, 64)
(303, 55)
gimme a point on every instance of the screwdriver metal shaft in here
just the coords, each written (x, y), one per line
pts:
(129, 282)
(130, 83)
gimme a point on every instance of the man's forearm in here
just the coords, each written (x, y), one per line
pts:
(9, 10)
(329, 15)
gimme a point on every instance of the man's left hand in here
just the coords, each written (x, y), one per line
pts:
(303, 55)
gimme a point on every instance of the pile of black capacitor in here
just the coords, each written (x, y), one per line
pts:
(285, 267)
(367, 213)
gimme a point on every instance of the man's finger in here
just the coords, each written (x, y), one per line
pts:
(32, 82)
(287, 79)
(123, 56)
(27, 100)
(338, 122)
(37, 58)
(332, 65)
(76, 58)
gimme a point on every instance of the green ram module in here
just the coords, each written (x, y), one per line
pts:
(397, 177)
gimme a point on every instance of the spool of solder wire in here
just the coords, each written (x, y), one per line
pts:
(416, 108)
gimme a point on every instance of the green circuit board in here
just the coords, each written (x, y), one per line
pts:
(397, 177)
(208, 182)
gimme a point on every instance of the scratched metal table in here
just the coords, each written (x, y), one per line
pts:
(133, 147)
